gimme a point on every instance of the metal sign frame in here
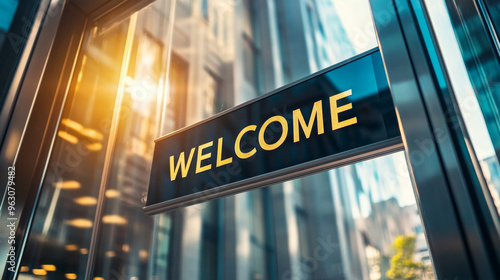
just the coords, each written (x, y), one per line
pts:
(333, 161)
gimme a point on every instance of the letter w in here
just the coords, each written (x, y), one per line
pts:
(182, 163)
(317, 112)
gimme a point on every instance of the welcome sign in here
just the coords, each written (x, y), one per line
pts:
(314, 124)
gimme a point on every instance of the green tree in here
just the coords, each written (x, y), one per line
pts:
(403, 267)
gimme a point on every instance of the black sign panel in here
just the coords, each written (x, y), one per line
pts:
(327, 119)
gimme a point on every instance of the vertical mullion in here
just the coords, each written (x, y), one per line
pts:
(442, 225)
(110, 147)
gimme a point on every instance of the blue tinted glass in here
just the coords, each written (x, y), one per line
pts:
(7, 10)
(475, 78)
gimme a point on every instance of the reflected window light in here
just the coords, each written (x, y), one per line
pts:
(125, 248)
(112, 193)
(84, 251)
(72, 124)
(166, 92)
(98, 278)
(110, 254)
(68, 137)
(80, 74)
(94, 147)
(114, 219)
(71, 247)
(88, 132)
(143, 254)
(91, 133)
(80, 223)
(49, 267)
(39, 271)
(70, 276)
(67, 185)
(86, 200)
(25, 268)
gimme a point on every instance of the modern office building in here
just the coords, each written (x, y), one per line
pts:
(88, 85)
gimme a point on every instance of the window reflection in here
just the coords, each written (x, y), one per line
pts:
(61, 234)
(474, 79)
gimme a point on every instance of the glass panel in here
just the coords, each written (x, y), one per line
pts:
(492, 11)
(475, 77)
(124, 239)
(7, 10)
(356, 222)
(65, 213)
(173, 64)
(16, 21)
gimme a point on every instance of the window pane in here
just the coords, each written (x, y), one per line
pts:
(475, 78)
(60, 237)
(356, 222)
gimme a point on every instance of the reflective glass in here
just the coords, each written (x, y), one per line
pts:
(175, 63)
(7, 10)
(16, 21)
(61, 233)
(474, 72)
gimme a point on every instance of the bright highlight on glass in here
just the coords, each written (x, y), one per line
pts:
(80, 223)
(39, 271)
(49, 267)
(67, 185)
(86, 200)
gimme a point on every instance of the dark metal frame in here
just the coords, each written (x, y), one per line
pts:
(59, 31)
(446, 173)
(35, 116)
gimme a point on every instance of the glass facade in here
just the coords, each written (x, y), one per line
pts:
(475, 78)
(16, 21)
(7, 10)
(173, 64)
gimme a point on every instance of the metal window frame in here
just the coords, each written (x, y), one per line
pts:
(31, 130)
(462, 239)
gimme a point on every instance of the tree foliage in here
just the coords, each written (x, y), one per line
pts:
(403, 265)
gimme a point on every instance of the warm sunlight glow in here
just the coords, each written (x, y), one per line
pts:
(70, 276)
